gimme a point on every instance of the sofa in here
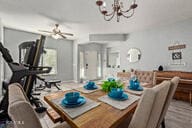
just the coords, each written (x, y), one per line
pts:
(146, 78)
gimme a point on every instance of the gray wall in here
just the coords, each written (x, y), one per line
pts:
(64, 52)
(154, 44)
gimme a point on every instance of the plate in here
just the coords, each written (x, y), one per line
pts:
(140, 88)
(94, 87)
(79, 102)
(124, 97)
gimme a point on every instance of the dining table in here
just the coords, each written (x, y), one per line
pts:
(102, 116)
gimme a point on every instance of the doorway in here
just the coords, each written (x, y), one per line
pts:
(90, 65)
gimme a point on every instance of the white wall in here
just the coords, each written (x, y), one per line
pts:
(75, 61)
(153, 44)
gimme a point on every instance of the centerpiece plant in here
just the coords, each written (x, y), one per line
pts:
(109, 84)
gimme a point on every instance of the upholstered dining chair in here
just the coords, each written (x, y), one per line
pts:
(150, 106)
(20, 110)
(172, 89)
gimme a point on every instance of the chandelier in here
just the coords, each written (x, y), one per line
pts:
(117, 9)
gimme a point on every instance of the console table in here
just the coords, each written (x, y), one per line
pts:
(184, 89)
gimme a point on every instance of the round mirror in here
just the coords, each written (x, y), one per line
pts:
(134, 55)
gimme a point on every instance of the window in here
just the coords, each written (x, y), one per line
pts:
(49, 58)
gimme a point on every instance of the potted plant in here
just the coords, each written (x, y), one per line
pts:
(109, 84)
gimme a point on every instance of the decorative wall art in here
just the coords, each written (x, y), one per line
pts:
(176, 53)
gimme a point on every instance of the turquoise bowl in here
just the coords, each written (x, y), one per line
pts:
(116, 92)
(72, 97)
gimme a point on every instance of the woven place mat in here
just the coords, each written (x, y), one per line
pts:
(77, 111)
(72, 85)
(83, 90)
(119, 104)
(99, 82)
(139, 93)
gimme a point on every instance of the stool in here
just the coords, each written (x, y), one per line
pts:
(48, 83)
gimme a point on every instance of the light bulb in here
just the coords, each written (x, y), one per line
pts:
(104, 4)
(56, 36)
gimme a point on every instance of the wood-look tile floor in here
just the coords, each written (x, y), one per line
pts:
(179, 114)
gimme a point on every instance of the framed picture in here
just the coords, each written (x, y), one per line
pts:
(176, 55)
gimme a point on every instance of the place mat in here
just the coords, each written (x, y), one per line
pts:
(139, 93)
(77, 111)
(143, 84)
(72, 85)
(83, 90)
(119, 104)
(99, 82)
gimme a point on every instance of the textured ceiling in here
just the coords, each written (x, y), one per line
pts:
(82, 17)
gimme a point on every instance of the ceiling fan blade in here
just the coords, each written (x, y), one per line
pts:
(69, 34)
(45, 31)
(62, 35)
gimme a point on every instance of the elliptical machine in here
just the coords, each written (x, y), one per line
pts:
(25, 74)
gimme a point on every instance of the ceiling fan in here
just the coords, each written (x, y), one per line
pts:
(56, 32)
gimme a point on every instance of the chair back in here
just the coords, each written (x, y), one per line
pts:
(16, 93)
(20, 110)
(173, 87)
(149, 108)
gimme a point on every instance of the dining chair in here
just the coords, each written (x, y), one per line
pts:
(21, 111)
(172, 89)
(150, 106)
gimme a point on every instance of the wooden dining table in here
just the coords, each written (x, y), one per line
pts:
(102, 116)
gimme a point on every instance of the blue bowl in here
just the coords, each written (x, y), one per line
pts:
(133, 84)
(72, 97)
(116, 92)
(90, 84)
(111, 79)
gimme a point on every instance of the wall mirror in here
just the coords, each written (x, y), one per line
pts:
(134, 55)
(113, 59)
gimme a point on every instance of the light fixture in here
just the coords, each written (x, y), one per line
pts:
(117, 9)
(56, 36)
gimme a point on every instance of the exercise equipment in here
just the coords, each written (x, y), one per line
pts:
(26, 56)
(48, 83)
(25, 74)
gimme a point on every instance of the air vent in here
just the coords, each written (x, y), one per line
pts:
(108, 37)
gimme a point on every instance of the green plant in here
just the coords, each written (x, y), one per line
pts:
(108, 85)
